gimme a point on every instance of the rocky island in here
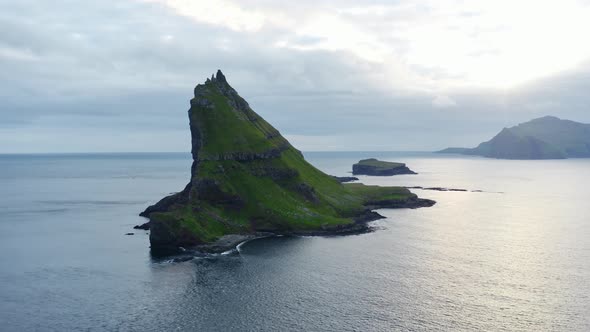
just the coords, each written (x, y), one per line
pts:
(247, 180)
(543, 138)
(376, 167)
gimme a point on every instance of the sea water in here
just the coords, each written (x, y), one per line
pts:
(514, 257)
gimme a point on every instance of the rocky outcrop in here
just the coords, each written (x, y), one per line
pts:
(144, 226)
(411, 202)
(376, 167)
(344, 179)
(247, 156)
(167, 203)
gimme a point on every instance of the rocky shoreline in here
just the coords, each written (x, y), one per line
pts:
(246, 179)
(229, 242)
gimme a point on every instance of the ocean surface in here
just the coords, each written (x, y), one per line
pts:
(515, 257)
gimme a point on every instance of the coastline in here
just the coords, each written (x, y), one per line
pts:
(230, 242)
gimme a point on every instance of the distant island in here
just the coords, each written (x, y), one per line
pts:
(543, 138)
(376, 167)
(247, 181)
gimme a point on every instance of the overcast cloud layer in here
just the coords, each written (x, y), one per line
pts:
(330, 75)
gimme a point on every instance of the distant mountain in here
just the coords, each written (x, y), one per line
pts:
(543, 138)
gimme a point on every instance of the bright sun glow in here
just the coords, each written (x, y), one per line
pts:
(436, 45)
(503, 43)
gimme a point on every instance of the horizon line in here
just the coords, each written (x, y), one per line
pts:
(178, 152)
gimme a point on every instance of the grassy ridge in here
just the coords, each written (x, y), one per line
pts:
(225, 129)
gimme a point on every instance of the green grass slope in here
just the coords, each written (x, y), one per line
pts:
(246, 177)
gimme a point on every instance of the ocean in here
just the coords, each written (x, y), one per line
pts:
(513, 257)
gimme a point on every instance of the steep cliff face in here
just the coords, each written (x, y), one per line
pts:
(246, 177)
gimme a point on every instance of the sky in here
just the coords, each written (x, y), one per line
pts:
(376, 75)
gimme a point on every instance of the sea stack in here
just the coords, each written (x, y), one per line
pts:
(247, 178)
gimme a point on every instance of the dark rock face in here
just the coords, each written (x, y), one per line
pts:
(277, 174)
(210, 191)
(376, 167)
(308, 192)
(440, 189)
(220, 77)
(344, 179)
(144, 226)
(167, 202)
(170, 234)
(247, 156)
(412, 202)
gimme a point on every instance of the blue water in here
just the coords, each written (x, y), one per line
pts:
(513, 258)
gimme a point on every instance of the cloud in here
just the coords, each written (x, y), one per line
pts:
(315, 69)
(443, 102)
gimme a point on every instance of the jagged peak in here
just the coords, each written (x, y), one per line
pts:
(216, 80)
(220, 77)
